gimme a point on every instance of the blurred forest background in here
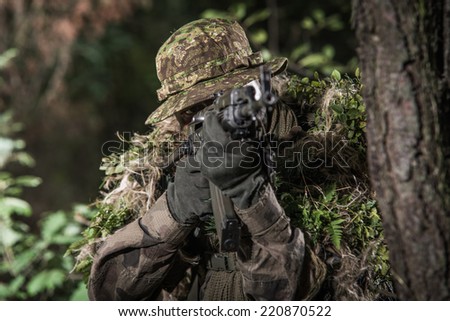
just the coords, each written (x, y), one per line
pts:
(74, 73)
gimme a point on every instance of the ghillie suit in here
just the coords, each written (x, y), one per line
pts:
(327, 191)
(331, 202)
(321, 183)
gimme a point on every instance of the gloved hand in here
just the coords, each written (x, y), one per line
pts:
(236, 167)
(188, 196)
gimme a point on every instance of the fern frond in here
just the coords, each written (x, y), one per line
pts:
(335, 231)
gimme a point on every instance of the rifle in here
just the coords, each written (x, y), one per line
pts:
(245, 118)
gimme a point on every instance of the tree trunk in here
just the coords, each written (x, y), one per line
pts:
(404, 53)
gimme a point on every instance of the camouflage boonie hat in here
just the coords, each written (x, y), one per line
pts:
(201, 58)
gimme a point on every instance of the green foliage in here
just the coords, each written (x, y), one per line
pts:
(249, 19)
(322, 60)
(32, 265)
(105, 220)
(131, 170)
(236, 11)
(12, 149)
(7, 56)
(35, 264)
(335, 216)
(304, 52)
(338, 214)
(343, 222)
(338, 102)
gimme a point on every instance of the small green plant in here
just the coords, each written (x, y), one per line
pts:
(32, 264)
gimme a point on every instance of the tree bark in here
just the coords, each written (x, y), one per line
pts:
(404, 55)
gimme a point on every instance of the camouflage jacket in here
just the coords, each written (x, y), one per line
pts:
(155, 254)
(142, 258)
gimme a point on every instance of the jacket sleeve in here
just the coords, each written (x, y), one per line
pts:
(133, 263)
(271, 258)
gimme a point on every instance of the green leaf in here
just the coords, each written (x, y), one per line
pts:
(315, 83)
(52, 224)
(259, 37)
(211, 13)
(66, 263)
(342, 118)
(75, 246)
(335, 231)
(6, 150)
(72, 229)
(357, 73)
(8, 237)
(16, 284)
(319, 15)
(19, 144)
(335, 23)
(4, 176)
(45, 281)
(257, 17)
(330, 193)
(7, 56)
(353, 114)
(300, 51)
(337, 108)
(305, 80)
(328, 51)
(25, 159)
(336, 75)
(4, 291)
(12, 205)
(28, 181)
(84, 210)
(308, 23)
(313, 60)
(84, 265)
(64, 239)
(14, 191)
(24, 260)
(80, 294)
(118, 169)
(239, 10)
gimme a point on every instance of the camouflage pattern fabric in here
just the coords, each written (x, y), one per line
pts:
(131, 263)
(136, 262)
(202, 58)
(271, 261)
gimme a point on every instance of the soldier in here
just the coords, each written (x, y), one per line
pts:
(157, 251)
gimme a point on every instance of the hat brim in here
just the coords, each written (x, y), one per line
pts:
(205, 90)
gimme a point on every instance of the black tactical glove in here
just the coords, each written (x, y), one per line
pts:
(234, 166)
(188, 196)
